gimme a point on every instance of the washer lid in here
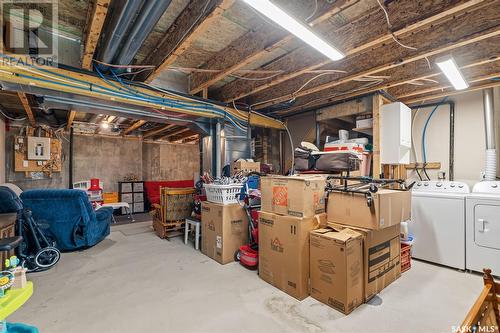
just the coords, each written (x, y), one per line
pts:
(489, 187)
(441, 187)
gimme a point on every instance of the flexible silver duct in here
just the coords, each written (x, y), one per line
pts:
(489, 128)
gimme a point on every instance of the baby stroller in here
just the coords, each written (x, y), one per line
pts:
(37, 252)
(249, 198)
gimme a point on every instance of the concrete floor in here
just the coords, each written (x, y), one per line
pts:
(135, 282)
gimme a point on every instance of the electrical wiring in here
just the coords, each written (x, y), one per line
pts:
(314, 11)
(11, 118)
(123, 66)
(390, 28)
(254, 78)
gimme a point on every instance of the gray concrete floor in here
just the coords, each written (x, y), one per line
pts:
(135, 282)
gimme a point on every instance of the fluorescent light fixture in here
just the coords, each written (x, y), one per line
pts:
(105, 124)
(450, 69)
(274, 13)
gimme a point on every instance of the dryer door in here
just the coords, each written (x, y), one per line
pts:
(487, 226)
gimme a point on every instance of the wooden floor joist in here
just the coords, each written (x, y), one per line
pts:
(71, 118)
(177, 132)
(191, 22)
(133, 127)
(256, 43)
(426, 98)
(27, 108)
(296, 63)
(157, 131)
(94, 26)
(415, 56)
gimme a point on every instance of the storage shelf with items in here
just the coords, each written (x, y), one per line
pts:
(132, 192)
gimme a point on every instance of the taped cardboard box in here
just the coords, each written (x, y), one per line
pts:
(244, 166)
(388, 208)
(336, 268)
(224, 229)
(381, 257)
(284, 251)
(299, 196)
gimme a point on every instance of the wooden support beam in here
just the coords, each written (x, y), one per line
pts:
(377, 103)
(27, 108)
(157, 131)
(421, 72)
(133, 127)
(191, 137)
(437, 41)
(353, 38)
(426, 98)
(429, 165)
(191, 22)
(174, 133)
(256, 43)
(71, 117)
(94, 26)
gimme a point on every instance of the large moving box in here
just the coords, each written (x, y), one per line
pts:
(224, 228)
(381, 259)
(284, 251)
(244, 166)
(336, 263)
(388, 208)
(300, 196)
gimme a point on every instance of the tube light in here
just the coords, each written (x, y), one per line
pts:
(450, 69)
(274, 13)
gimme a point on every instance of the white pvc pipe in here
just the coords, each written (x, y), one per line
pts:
(490, 172)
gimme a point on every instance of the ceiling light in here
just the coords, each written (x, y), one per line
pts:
(450, 69)
(105, 125)
(274, 13)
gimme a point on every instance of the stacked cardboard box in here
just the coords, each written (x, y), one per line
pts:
(291, 208)
(335, 250)
(224, 229)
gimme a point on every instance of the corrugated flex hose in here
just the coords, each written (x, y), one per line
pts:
(490, 173)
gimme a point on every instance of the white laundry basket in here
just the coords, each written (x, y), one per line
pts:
(223, 194)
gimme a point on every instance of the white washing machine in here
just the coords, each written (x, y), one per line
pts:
(438, 222)
(483, 227)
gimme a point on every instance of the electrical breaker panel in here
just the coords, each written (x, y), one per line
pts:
(38, 148)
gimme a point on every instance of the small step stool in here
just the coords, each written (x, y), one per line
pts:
(196, 224)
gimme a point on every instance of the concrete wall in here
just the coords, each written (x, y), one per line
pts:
(2, 150)
(165, 161)
(109, 159)
(58, 180)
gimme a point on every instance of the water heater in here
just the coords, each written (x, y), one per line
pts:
(395, 133)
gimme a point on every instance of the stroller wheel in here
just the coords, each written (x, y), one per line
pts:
(237, 255)
(47, 257)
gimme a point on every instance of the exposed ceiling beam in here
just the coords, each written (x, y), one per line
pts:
(191, 22)
(426, 98)
(157, 131)
(420, 72)
(174, 133)
(94, 26)
(190, 137)
(133, 127)
(71, 117)
(27, 108)
(442, 45)
(256, 43)
(355, 37)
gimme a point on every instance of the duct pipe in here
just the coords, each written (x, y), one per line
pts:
(489, 129)
(124, 12)
(148, 17)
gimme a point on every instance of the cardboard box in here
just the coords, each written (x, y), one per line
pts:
(300, 196)
(388, 208)
(381, 257)
(336, 268)
(224, 228)
(284, 251)
(244, 166)
(364, 123)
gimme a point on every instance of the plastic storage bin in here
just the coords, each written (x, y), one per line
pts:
(223, 194)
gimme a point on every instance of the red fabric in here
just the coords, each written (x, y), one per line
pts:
(152, 188)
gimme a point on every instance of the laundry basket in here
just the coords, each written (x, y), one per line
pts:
(223, 194)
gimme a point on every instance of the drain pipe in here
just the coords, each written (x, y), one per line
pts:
(489, 129)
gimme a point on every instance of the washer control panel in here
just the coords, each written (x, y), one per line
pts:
(491, 187)
(441, 186)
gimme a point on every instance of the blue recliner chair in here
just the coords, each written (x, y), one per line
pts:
(72, 221)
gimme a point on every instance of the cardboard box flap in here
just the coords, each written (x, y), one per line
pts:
(342, 235)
